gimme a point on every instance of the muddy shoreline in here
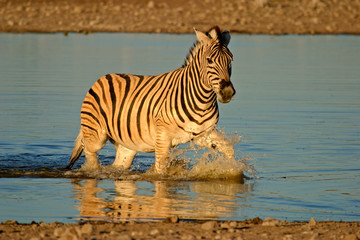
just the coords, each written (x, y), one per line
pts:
(248, 229)
(172, 228)
(165, 16)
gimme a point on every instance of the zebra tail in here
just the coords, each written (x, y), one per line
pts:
(77, 150)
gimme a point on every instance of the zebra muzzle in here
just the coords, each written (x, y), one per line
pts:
(227, 91)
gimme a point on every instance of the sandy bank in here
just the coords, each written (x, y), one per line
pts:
(172, 229)
(242, 16)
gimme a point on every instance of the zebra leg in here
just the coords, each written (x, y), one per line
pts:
(124, 157)
(162, 148)
(216, 141)
(91, 162)
(94, 142)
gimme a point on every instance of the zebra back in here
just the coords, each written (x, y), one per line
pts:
(128, 109)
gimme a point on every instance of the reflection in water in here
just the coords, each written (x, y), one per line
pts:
(87, 192)
(125, 200)
(298, 115)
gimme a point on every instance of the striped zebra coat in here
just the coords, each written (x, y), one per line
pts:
(154, 113)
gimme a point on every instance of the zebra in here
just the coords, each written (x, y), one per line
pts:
(155, 113)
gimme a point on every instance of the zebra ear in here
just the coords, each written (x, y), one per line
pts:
(213, 33)
(225, 37)
(201, 37)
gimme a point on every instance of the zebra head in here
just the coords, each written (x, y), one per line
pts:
(216, 61)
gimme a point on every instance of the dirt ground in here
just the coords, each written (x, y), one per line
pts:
(180, 16)
(172, 229)
(168, 16)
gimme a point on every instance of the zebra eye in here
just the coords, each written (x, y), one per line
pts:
(229, 69)
(209, 60)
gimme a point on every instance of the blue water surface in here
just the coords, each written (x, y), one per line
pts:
(297, 109)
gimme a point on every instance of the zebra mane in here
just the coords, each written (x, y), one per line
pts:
(195, 48)
(192, 52)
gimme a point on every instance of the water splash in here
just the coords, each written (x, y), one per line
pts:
(187, 162)
(209, 164)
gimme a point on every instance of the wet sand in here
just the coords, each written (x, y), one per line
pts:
(238, 16)
(172, 229)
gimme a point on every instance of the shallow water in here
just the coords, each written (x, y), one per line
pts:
(297, 110)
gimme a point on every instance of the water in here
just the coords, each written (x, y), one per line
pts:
(297, 110)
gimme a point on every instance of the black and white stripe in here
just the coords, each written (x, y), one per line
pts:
(153, 113)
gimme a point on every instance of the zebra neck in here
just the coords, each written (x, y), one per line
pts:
(197, 88)
(198, 74)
